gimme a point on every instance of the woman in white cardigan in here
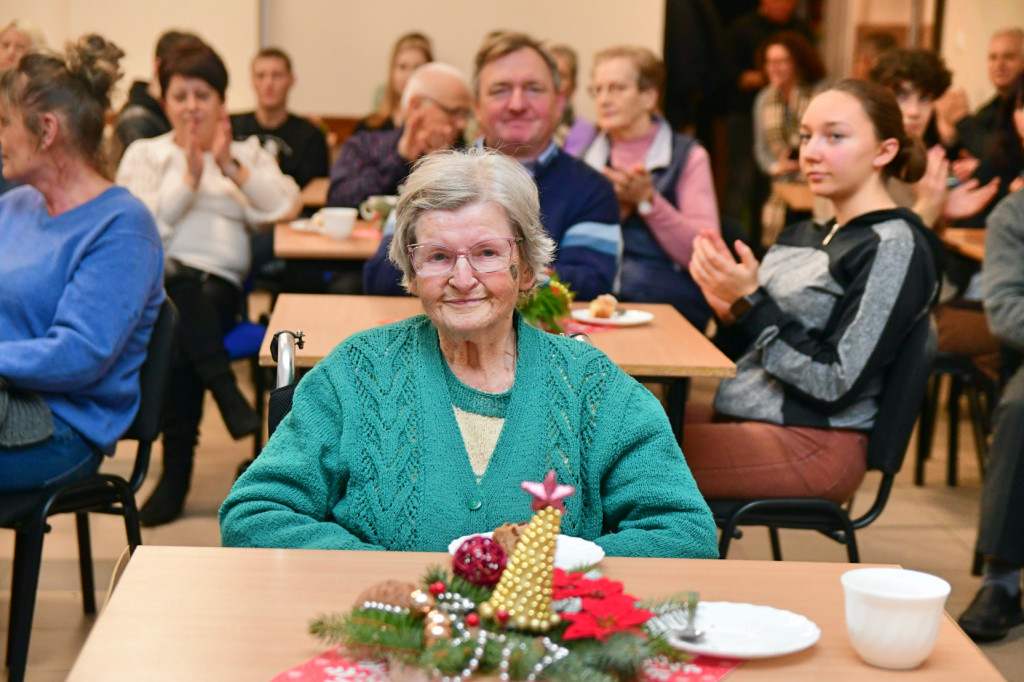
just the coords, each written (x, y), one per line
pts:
(206, 192)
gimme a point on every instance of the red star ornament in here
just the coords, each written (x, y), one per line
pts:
(548, 493)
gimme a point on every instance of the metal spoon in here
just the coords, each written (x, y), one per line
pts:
(690, 633)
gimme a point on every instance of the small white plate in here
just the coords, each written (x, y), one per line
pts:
(304, 225)
(627, 318)
(570, 552)
(734, 630)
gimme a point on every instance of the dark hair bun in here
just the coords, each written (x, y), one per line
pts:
(95, 60)
(911, 161)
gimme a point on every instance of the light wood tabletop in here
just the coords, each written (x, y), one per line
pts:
(210, 613)
(667, 347)
(293, 244)
(797, 195)
(314, 195)
(967, 241)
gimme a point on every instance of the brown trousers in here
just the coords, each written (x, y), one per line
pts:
(744, 460)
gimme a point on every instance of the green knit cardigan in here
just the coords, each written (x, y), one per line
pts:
(371, 456)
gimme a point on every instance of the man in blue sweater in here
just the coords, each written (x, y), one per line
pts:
(518, 106)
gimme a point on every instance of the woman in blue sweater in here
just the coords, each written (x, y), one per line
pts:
(415, 433)
(80, 273)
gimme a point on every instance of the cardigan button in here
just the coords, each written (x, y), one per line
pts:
(475, 504)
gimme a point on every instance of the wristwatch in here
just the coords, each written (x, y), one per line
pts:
(644, 207)
(742, 305)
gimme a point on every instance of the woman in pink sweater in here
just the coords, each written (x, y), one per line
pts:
(662, 179)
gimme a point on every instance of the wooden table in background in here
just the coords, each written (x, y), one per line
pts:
(967, 241)
(668, 350)
(292, 244)
(797, 195)
(314, 195)
(667, 347)
(211, 613)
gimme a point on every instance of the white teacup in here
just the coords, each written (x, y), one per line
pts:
(377, 206)
(336, 223)
(893, 615)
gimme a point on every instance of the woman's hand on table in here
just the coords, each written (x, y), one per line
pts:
(721, 279)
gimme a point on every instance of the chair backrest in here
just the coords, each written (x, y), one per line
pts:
(152, 384)
(900, 401)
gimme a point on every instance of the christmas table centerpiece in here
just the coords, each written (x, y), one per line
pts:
(510, 615)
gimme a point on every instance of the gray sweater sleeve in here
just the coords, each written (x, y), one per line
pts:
(1003, 271)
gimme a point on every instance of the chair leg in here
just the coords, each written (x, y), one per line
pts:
(926, 428)
(955, 389)
(260, 386)
(85, 562)
(130, 511)
(773, 533)
(978, 427)
(28, 551)
(978, 565)
(723, 542)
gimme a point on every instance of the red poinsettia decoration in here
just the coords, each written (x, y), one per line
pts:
(600, 618)
(575, 585)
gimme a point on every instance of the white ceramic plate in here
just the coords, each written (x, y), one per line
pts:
(734, 630)
(627, 318)
(570, 552)
(304, 225)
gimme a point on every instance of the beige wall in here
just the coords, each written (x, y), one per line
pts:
(341, 49)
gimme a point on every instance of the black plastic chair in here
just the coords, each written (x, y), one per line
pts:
(898, 407)
(26, 513)
(982, 394)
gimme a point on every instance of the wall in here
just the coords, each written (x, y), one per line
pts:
(341, 49)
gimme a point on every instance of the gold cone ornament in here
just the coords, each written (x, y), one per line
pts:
(523, 595)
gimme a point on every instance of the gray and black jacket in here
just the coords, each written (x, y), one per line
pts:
(827, 320)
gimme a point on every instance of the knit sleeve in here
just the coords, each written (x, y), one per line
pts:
(369, 164)
(590, 246)
(675, 227)
(154, 171)
(651, 504)
(271, 195)
(287, 497)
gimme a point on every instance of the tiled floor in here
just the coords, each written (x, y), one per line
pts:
(930, 528)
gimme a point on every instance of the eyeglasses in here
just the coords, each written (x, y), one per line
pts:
(434, 260)
(459, 114)
(613, 89)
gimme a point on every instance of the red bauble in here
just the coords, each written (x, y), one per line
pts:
(501, 615)
(472, 619)
(480, 561)
(437, 588)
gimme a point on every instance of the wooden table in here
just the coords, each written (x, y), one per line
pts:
(205, 613)
(797, 195)
(667, 347)
(669, 350)
(967, 241)
(314, 195)
(292, 244)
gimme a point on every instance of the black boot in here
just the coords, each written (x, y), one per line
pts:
(168, 498)
(238, 415)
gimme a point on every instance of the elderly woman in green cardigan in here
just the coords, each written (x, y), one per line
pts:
(415, 433)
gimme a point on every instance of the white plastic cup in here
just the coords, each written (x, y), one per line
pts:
(893, 615)
(337, 223)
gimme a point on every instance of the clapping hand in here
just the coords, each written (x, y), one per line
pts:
(631, 186)
(427, 129)
(222, 136)
(721, 279)
(193, 155)
(968, 199)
